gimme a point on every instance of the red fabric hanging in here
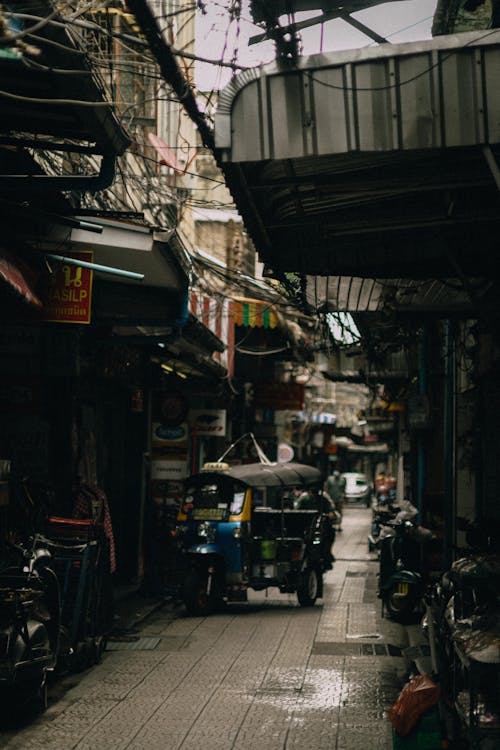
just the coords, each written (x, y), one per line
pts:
(91, 502)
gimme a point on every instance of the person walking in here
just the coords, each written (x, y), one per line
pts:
(321, 502)
(335, 487)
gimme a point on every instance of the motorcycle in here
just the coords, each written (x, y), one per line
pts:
(401, 579)
(462, 624)
(29, 599)
(29, 621)
(383, 511)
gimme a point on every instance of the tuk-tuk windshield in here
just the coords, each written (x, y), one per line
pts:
(213, 498)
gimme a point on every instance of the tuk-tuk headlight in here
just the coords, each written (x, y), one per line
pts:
(237, 532)
(207, 532)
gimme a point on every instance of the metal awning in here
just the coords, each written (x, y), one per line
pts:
(377, 163)
(42, 83)
(191, 349)
(132, 247)
(360, 295)
(16, 273)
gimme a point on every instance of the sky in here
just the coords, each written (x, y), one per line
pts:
(403, 21)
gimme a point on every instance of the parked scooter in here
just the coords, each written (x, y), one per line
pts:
(401, 581)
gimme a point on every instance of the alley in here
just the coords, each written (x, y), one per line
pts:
(266, 675)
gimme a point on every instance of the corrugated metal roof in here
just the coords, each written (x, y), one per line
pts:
(421, 95)
(353, 294)
(375, 164)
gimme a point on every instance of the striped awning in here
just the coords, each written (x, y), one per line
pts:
(15, 273)
(217, 314)
(255, 314)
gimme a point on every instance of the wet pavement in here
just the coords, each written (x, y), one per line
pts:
(267, 675)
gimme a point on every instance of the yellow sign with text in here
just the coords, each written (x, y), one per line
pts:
(69, 298)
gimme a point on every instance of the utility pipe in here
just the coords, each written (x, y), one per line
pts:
(95, 266)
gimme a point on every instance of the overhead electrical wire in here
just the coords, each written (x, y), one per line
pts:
(220, 62)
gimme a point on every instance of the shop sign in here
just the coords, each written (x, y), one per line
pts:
(69, 297)
(165, 435)
(208, 421)
(167, 469)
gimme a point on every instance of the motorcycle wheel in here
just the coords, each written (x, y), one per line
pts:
(195, 597)
(64, 663)
(307, 589)
(400, 608)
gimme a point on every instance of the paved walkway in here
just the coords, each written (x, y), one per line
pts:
(267, 675)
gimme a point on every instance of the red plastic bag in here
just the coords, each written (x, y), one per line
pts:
(417, 696)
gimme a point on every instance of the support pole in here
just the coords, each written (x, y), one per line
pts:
(449, 511)
(422, 390)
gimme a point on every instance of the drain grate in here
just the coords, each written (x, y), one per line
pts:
(380, 649)
(141, 644)
(355, 649)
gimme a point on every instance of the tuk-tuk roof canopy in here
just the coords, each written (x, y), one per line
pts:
(268, 475)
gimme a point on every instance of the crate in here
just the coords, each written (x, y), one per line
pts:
(75, 568)
(426, 735)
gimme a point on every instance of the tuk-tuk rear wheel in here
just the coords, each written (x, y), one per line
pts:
(195, 596)
(308, 586)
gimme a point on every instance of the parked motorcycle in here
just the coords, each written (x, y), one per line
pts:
(401, 580)
(383, 511)
(462, 623)
(29, 621)
(29, 598)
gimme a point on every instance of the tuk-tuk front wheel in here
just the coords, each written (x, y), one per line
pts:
(197, 597)
(308, 587)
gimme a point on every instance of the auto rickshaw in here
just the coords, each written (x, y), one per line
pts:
(239, 529)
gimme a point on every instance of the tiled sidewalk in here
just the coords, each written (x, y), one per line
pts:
(267, 675)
